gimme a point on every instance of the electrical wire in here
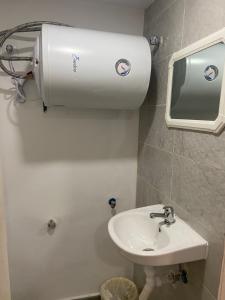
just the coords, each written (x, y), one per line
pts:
(18, 84)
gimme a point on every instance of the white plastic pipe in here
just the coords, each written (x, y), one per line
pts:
(149, 284)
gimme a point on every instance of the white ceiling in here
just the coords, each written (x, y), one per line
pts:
(134, 3)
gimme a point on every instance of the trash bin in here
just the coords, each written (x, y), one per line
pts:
(118, 288)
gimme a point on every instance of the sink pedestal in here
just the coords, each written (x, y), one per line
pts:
(149, 284)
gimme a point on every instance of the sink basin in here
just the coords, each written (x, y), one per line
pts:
(138, 238)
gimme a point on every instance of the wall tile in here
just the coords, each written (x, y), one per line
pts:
(202, 147)
(153, 129)
(156, 9)
(177, 292)
(147, 194)
(180, 291)
(196, 168)
(200, 190)
(190, 291)
(204, 272)
(156, 167)
(169, 25)
(207, 272)
(202, 17)
(206, 295)
(158, 84)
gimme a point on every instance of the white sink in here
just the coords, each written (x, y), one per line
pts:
(138, 238)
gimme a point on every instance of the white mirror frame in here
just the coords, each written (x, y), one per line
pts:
(201, 125)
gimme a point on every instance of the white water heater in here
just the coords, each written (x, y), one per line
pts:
(91, 69)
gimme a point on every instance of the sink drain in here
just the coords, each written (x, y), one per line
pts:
(148, 249)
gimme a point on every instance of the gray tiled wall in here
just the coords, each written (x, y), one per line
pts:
(178, 167)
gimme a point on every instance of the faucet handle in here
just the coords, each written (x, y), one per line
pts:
(169, 213)
(169, 210)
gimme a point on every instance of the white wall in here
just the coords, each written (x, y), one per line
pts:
(65, 164)
(4, 272)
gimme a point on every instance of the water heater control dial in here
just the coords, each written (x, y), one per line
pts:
(211, 72)
(123, 67)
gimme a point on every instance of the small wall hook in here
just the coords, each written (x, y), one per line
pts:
(51, 224)
(112, 202)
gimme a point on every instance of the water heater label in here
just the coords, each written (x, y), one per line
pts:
(76, 59)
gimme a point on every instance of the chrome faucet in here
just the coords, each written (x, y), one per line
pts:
(167, 215)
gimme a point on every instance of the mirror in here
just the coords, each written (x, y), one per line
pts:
(195, 97)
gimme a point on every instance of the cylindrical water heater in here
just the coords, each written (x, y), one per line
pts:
(91, 69)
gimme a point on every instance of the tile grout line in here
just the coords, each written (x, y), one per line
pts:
(161, 12)
(181, 156)
(157, 148)
(208, 290)
(152, 105)
(182, 31)
(151, 185)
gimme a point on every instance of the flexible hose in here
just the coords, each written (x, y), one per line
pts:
(22, 30)
(26, 27)
(16, 58)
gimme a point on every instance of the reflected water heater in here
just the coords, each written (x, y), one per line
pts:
(91, 69)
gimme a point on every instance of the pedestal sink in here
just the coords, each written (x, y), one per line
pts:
(138, 238)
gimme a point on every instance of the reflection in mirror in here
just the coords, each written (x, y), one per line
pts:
(197, 82)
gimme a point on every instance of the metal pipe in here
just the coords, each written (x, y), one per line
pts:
(26, 27)
(16, 58)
